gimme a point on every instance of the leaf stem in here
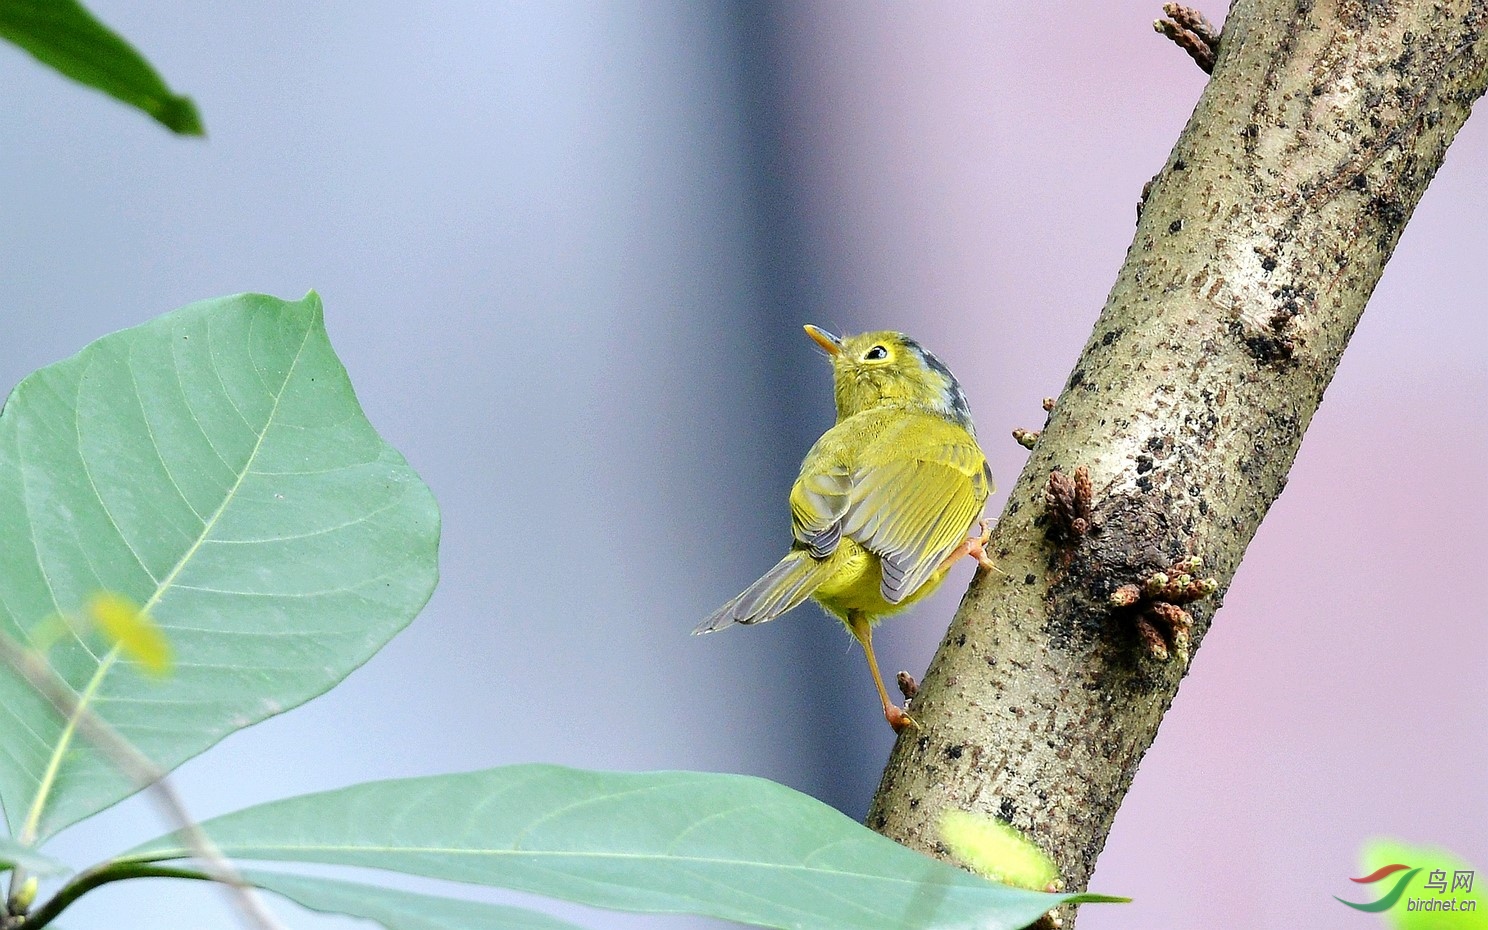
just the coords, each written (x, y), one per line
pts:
(91, 878)
(27, 835)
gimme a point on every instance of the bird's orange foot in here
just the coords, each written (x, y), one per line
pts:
(976, 546)
(898, 719)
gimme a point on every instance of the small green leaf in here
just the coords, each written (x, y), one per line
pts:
(997, 851)
(13, 854)
(128, 626)
(1426, 859)
(401, 910)
(727, 846)
(212, 466)
(64, 35)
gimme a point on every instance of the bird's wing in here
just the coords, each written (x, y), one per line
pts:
(819, 500)
(912, 506)
(915, 511)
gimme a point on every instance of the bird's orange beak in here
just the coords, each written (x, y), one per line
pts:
(829, 343)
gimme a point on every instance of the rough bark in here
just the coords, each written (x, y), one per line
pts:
(1259, 245)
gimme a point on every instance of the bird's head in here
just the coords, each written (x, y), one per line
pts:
(890, 369)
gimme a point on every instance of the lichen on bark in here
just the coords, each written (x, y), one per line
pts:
(1257, 249)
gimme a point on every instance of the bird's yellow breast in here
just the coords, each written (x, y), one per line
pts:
(856, 585)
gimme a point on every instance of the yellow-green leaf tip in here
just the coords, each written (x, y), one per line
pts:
(1438, 898)
(24, 896)
(133, 630)
(998, 851)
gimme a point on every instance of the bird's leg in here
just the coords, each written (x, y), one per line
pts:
(858, 624)
(974, 546)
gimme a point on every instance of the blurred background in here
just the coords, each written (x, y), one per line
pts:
(566, 250)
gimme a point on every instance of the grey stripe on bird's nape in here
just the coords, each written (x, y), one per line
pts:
(953, 398)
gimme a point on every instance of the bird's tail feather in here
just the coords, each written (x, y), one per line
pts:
(791, 581)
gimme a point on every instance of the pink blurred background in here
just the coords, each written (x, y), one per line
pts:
(977, 168)
(566, 250)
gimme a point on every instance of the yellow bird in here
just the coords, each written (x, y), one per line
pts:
(886, 500)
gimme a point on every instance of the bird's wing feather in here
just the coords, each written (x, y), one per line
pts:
(818, 502)
(915, 505)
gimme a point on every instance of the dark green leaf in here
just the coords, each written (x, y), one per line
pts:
(728, 846)
(64, 35)
(214, 467)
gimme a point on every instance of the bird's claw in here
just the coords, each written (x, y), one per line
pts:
(898, 719)
(976, 546)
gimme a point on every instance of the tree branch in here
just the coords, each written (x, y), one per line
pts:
(1262, 240)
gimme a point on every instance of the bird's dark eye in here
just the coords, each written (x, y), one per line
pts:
(875, 353)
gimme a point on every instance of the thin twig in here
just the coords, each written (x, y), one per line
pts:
(146, 775)
(1193, 33)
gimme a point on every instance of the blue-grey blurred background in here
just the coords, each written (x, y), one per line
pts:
(565, 251)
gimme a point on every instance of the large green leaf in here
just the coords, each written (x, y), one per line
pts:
(64, 35)
(213, 466)
(401, 910)
(728, 846)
